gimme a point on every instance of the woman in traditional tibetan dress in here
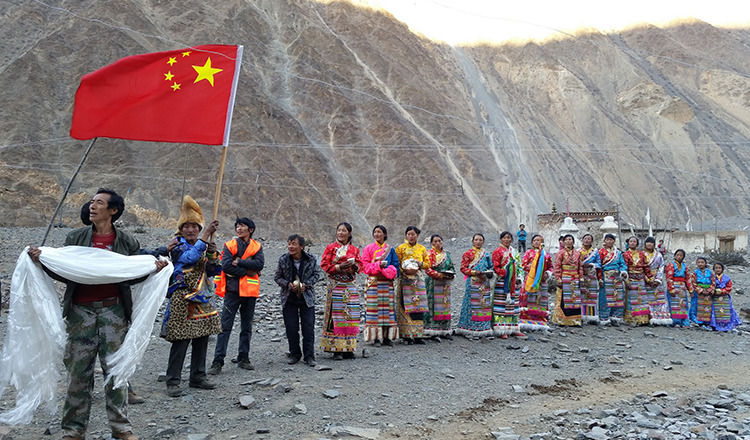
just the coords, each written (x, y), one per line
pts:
(568, 272)
(703, 290)
(679, 286)
(341, 262)
(723, 316)
(440, 273)
(639, 273)
(656, 290)
(411, 301)
(591, 281)
(380, 264)
(537, 264)
(476, 309)
(613, 272)
(506, 306)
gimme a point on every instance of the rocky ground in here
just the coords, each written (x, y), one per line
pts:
(572, 383)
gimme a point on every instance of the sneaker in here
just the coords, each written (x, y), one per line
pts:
(293, 360)
(128, 435)
(215, 368)
(245, 364)
(388, 342)
(134, 399)
(204, 384)
(376, 343)
(174, 391)
(503, 336)
(311, 362)
(448, 337)
(519, 335)
(338, 356)
(419, 341)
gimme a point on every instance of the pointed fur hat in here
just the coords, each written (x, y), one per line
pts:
(190, 213)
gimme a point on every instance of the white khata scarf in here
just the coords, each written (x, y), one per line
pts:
(31, 357)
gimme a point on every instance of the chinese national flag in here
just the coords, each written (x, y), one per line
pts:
(176, 96)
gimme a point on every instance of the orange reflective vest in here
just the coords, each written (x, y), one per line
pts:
(249, 286)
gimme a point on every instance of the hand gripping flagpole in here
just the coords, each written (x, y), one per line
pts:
(67, 189)
(228, 127)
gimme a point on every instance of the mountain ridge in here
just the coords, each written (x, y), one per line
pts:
(343, 114)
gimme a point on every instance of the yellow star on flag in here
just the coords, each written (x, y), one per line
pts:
(172, 60)
(175, 87)
(206, 72)
(186, 54)
(168, 76)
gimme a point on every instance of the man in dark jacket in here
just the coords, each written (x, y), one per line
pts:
(97, 318)
(241, 263)
(296, 274)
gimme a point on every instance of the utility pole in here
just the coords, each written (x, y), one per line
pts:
(619, 229)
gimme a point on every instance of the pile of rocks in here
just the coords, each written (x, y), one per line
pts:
(658, 416)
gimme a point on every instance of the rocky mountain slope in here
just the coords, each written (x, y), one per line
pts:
(343, 114)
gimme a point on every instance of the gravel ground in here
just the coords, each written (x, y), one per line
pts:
(562, 384)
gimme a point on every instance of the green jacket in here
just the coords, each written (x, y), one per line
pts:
(124, 244)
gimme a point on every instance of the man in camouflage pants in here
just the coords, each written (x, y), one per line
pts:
(97, 319)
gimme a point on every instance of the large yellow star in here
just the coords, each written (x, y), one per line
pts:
(206, 72)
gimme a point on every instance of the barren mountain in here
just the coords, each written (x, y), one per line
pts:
(342, 113)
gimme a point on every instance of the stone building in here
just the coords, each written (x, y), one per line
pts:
(551, 226)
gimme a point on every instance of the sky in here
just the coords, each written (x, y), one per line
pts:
(476, 21)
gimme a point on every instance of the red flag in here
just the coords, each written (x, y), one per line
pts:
(176, 96)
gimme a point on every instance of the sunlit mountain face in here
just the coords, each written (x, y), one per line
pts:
(492, 21)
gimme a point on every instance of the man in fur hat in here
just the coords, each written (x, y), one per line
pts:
(191, 316)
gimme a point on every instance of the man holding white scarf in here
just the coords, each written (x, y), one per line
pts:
(97, 318)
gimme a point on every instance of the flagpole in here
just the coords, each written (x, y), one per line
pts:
(227, 130)
(65, 194)
(219, 180)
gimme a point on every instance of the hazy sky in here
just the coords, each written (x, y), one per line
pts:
(469, 21)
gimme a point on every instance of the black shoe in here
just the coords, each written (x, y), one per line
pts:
(311, 362)
(215, 368)
(337, 356)
(245, 364)
(419, 341)
(409, 341)
(349, 355)
(293, 360)
(448, 337)
(376, 343)
(174, 391)
(388, 342)
(204, 384)
(134, 399)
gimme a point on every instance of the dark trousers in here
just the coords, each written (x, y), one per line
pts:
(197, 360)
(295, 311)
(522, 247)
(246, 306)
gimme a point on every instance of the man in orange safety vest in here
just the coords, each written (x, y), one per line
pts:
(239, 284)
